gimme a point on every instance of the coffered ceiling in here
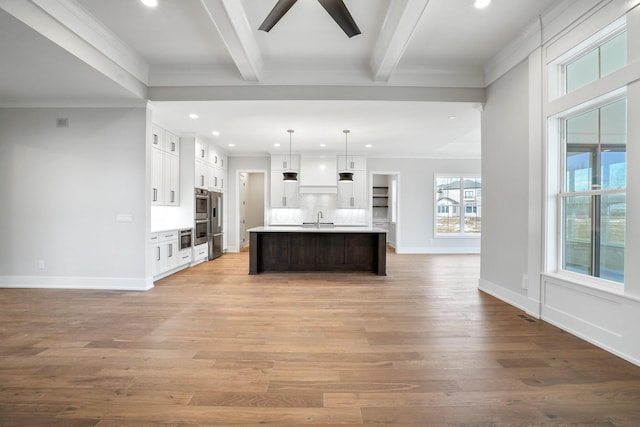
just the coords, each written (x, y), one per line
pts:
(398, 85)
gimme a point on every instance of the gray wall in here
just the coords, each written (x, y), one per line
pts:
(61, 189)
(505, 139)
(416, 202)
(255, 199)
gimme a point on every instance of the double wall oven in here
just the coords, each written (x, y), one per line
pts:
(201, 225)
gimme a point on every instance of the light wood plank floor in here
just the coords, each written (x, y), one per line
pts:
(213, 346)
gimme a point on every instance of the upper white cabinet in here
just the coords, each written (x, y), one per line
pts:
(353, 163)
(284, 194)
(210, 166)
(165, 169)
(285, 162)
(353, 195)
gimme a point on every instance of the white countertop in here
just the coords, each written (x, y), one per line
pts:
(314, 229)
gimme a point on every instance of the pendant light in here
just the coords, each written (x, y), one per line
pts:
(345, 176)
(289, 175)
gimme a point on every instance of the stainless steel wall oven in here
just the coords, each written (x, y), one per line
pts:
(201, 204)
(201, 232)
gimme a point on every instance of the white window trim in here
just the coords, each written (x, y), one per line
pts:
(556, 185)
(462, 234)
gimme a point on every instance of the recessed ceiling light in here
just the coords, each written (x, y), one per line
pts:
(193, 116)
(323, 145)
(452, 117)
(232, 145)
(150, 3)
(479, 4)
(215, 133)
(368, 146)
(276, 145)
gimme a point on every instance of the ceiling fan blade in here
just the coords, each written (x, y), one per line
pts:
(341, 15)
(276, 14)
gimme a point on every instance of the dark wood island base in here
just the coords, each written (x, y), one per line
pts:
(317, 250)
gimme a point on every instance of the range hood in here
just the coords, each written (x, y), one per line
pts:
(318, 174)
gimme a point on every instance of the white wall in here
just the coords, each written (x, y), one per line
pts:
(415, 228)
(505, 189)
(61, 189)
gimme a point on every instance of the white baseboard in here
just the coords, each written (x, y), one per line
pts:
(435, 250)
(103, 283)
(513, 298)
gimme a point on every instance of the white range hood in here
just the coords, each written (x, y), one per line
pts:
(318, 174)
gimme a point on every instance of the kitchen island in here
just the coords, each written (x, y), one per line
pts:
(317, 248)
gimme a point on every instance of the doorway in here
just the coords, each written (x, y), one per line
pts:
(384, 204)
(251, 206)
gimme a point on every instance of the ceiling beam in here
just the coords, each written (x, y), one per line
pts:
(400, 24)
(69, 26)
(230, 19)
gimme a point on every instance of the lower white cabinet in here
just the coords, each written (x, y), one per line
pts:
(166, 252)
(353, 195)
(200, 253)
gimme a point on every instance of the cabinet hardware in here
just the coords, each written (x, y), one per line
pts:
(215, 181)
(173, 196)
(215, 160)
(155, 194)
(155, 139)
(221, 182)
(173, 146)
(202, 179)
(353, 165)
(202, 153)
(170, 251)
(284, 164)
(284, 200)
(352, 201)
(158, 253)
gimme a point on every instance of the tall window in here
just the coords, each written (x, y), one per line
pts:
(594, 196)
(458, 205)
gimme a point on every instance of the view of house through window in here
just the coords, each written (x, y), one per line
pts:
(594, 196)
(458, 204)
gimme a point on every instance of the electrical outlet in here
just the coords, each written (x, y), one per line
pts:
(525, 281)
(41, 264)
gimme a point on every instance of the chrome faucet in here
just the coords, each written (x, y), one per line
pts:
(318, 219)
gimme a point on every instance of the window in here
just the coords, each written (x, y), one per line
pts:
(594, 192)
(607, 57)
(456, 215)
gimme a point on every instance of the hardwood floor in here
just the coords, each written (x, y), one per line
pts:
(213, 346)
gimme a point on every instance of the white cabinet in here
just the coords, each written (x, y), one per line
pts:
(171, 175)
(353, 163)
(284, 194)
(164, 249)
(166, 253)
(165, 167)
(210, 166)
(200, 253)
(157, 177)
(202, 150)
(353, 195)
(283, 162)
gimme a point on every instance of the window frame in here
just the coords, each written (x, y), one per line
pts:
(459, 210)
(594, 193)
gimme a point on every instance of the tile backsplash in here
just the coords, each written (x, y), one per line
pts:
(311, 204)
